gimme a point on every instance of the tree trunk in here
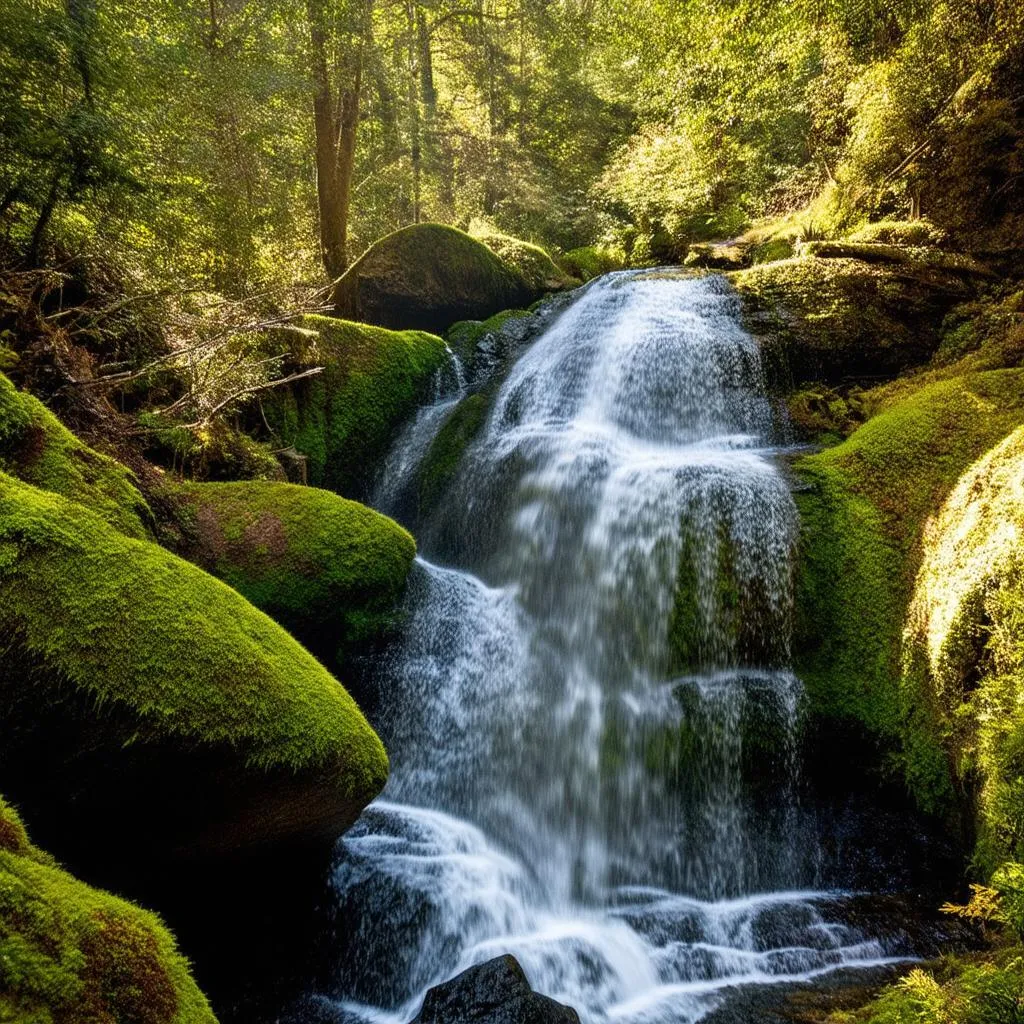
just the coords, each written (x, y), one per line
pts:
(336, 125)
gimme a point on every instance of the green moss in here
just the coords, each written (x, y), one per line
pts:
(345, 418)
(71, 954)
(591, 261)
(900, 232)
(330, 570)
(529, 261)
(828, 321)
(448, 447)
(428, 276)
(143, 632)
(863, 514)
(36, 447)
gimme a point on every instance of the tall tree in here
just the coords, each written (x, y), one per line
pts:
(339, 34)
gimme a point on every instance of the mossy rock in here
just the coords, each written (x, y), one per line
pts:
(965, 641)
(923, 257)
(72, 954)
(900, 232)
(835, 320)
(864, 505)
(426, 277)
(37, 448)
(145, 701)
(329, 570)
(344, 419)
(529, 261)
(444, 456)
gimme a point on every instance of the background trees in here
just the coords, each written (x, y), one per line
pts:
(243, 147)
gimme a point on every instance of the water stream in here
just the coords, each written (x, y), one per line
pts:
(590, 712)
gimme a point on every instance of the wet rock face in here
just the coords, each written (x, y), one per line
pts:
(496, 992)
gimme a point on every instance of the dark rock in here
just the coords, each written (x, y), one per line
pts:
(427, 277)
(496, 992)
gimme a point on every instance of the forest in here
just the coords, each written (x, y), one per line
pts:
(512, 511)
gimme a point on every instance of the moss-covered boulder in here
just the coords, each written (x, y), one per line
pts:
(590, 261)
(964, 641)
(146, 706)
(330, 570)
(529, 261)
(830, 320)
(72, 954)
(36, 447)
(864, 506)
(345, 418)
(426, 277)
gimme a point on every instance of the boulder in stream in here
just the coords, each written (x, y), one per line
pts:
(495, 992)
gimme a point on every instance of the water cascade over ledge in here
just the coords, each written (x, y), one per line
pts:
(590, 712)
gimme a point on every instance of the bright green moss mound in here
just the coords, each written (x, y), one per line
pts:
(965, 641)
(330, 570)
(36, 447)
(427, 277)
(900, 232)
(144, 632)
(830, 320)
(591, 261)
(863, 516)
(71, 954)
(345, 418)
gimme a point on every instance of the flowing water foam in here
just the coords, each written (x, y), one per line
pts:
(591, 720)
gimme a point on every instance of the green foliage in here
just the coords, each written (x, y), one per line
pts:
(900, 232)
(71, 954)
(330, 570)
(37, 448)
(958, 992)
(139, 630)
(345, 418)
(591, 261)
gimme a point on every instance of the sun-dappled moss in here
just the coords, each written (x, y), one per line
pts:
(331, 570)
(72, 954)
(900, 232)
(863, 513)
(36, 447)
(345, 418)
(591, 261)
(964, 641)
(428, 276)
(144, 632)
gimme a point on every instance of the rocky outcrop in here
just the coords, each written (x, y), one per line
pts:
(837, 319)
(344, 419)
(426, 277)
(495, 992)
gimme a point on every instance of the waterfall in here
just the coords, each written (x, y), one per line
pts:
(590, 712)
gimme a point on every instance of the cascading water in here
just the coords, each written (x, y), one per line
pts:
(591, 720)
